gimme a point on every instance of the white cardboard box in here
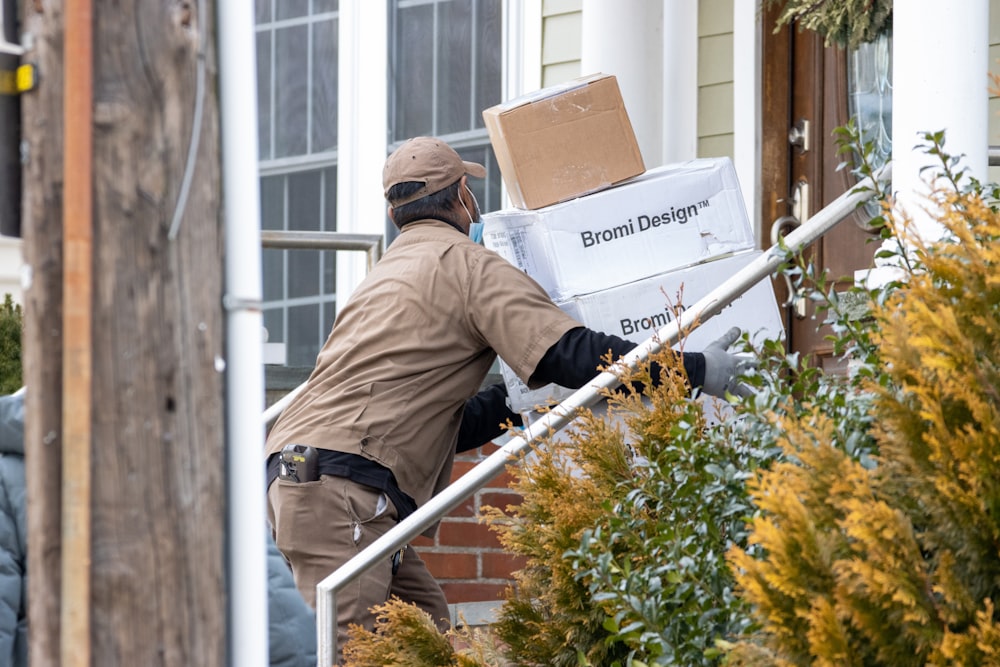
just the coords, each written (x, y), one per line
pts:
(667, 218)
(637, 310)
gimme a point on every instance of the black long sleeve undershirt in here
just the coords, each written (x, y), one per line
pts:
(574, 359)
(571, 362)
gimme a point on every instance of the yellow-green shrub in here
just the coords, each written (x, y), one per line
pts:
(896, 563)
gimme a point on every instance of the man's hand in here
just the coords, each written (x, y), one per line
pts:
(722, 368)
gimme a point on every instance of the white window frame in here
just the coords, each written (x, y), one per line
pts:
(363, 114)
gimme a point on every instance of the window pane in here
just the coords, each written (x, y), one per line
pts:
(454, 45)
(274, 323)
(329, 314)
(291, 91)
(263, 11)
(304, 200)
(488, 81)
(412, 73)
(272, 202)
(303, 214)
(330, 225)
(303, 273)
(324, 102)
(493, 181)
(303, 339)
(272, 216)
(322, 6)
(330, 199)
(272, 265)
(290, 9)
(264, 94)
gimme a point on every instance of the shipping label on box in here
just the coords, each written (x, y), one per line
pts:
(638, 310)
(668, 218)
(563, 141)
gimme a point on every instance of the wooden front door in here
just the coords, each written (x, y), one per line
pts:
(804, 97)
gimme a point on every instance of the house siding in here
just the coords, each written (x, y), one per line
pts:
(716, 134)
(561, 40)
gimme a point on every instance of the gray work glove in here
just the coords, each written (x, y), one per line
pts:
(723, 368)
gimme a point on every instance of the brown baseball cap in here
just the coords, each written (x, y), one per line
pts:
(429, 161)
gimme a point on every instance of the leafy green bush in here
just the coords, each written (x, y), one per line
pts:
(625, 521)
(11, 330)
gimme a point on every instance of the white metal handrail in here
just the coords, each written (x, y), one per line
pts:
(560, 416)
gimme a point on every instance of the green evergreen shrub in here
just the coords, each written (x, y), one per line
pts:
(11, 331)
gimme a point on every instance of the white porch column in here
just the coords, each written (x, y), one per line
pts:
(361, 131)
(746, 105)
(940, 57)
(522, 47)
(679, 100)
(625, 38)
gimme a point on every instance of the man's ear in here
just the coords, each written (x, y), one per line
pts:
(389, 210)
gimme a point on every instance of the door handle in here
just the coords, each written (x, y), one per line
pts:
(796, 299)
(798, 136)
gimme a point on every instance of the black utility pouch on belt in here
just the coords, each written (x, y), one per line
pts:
(298, 463)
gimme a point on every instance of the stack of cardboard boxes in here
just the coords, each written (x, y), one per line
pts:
(616, 246)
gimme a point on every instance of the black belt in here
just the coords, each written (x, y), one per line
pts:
(357, 469)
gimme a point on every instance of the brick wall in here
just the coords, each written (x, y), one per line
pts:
(465, 555)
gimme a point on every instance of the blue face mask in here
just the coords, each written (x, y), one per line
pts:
(476, 232)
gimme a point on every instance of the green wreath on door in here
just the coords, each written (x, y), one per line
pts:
(846, 23)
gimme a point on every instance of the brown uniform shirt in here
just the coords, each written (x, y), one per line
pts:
(413, 343)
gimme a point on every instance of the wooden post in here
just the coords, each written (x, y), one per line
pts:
(153, 407)
(77, 341)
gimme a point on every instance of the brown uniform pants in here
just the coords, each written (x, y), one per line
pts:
(321, 525)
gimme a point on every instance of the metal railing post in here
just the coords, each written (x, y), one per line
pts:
(562, 414)
(372, 244)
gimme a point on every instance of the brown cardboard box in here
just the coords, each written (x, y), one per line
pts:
(564, 141)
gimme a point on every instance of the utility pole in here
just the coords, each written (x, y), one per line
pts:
(123, 239)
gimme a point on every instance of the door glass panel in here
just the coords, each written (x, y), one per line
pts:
(869, 80)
